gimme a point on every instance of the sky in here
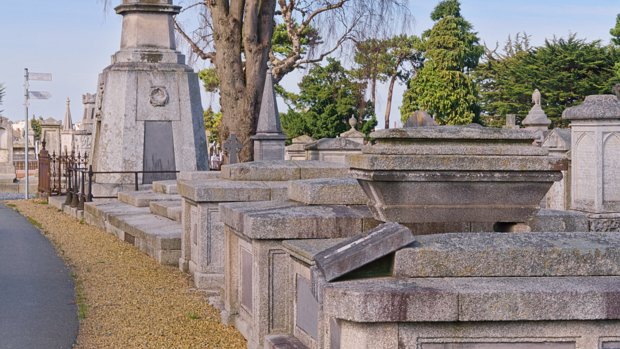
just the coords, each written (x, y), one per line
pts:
(74, 40)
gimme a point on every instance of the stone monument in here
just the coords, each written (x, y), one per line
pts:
(536, 120)
(7, 170)
(51, 133)
(269, 140)
(148, 114)
(83, 130)
(66, 134)
(595, 138)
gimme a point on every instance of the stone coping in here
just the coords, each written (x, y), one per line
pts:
(282, 170)
(595, 107)
(474, 299)
(283, 220)
(505, 254)
(198, 175)
(228, 191)
(327, 191)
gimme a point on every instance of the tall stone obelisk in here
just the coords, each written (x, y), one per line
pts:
(148, 114)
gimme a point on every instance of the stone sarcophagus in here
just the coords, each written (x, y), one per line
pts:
(450, 174)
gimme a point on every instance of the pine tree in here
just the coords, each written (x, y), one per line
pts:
(443, 86)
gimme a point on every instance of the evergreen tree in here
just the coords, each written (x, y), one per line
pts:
(564, 70)
(328, 97)
(615, 32)
(443, 86)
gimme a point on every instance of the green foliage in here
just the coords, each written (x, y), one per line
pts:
(564, 70)
(35, 124)
(328, 97)
(615, 32)
(212, 122)
(282, 45)
(444, 87)
(210, 80)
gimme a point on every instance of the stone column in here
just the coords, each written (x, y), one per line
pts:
(595, 144)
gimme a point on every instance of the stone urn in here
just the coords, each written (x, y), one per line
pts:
(450, 174)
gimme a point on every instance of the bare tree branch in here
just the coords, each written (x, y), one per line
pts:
(195, 48)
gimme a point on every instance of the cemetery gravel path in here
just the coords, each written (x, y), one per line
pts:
(125, 298)
(37, 300)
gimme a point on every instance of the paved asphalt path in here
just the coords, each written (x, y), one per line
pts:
(37, 307)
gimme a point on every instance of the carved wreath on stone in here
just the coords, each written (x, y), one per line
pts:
(159, 96)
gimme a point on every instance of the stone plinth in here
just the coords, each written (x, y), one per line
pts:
(446, 174)
(558, 142)
(148, 114)
(595, 145)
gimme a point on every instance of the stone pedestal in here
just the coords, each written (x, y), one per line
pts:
(148, 110)
(595, 138)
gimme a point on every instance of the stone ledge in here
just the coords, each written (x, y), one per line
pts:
(282, 170)
(474, 299)
(143, 198)
(225, 190)
(168, 209)
(504, 254)
(327, 191)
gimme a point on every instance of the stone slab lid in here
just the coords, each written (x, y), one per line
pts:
(526, 254)
(593, 108)
(282, 170)
(327, 191)
(340, 143)
(285, 220)
(358, 251)
(454, 140)
(225, 190)
(306, 249)
(474, 299)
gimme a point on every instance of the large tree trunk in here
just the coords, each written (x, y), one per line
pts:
(249, 24)
(388, 107)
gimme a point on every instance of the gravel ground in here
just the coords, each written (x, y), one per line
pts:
(126, 299)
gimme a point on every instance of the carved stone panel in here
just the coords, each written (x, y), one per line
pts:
(307, 308)
(158, 151)
(246, 261)
(611, 170)
(584, 159)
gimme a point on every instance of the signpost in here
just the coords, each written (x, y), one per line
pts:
(27, 96)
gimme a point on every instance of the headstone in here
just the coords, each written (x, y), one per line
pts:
(7, 170)
(147, 82)
(232, 146)
(296, 150)
(420, 118)
(269, 139)
(511, 121)
(51, 133)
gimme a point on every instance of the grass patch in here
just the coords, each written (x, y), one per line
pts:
(11, 205)
(35, 223)
(192, 316)
(80, 298)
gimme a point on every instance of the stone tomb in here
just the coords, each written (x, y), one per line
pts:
(203, 235)
(259, 285)
(595, 146)
(7, 170)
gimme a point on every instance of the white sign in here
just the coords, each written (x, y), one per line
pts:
(40, 95)
(40, 76)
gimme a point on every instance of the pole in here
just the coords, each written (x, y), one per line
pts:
(26, 135)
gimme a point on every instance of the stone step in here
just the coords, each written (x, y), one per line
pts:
(169, 209)
(157, 236)
(283, 342)
(143, 198)
(165, 187)
(506, 254)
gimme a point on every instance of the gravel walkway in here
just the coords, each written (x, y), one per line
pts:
(126, 299)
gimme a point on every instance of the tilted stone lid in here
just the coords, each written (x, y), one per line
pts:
(594, 107)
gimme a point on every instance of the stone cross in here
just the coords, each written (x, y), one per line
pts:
(232, 146)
